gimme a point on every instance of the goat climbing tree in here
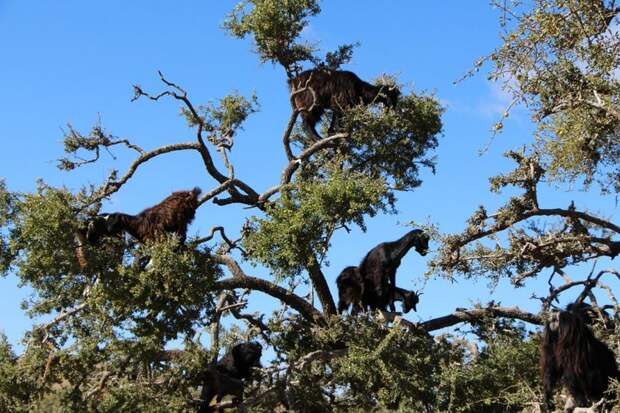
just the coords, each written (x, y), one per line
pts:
(105, 343)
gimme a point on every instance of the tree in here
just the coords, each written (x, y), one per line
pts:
(558, 59)
(105, 346)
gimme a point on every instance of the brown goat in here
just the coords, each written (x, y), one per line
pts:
(571, 354)
(171, 216)
(314, 91)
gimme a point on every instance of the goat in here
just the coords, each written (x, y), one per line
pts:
(409, 299)
(351, 293)
(571, 354)
(226, 377)
(378, 268)
(350, 289)
(171, 216)
(313, 91)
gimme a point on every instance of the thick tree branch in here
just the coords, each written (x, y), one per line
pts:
(294, 301)
(322, 289)
(476, 314)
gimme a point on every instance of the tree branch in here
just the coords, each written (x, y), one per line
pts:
(293, 165)
(322, 289)
(294, 301)
(476, 314)
(113, 186)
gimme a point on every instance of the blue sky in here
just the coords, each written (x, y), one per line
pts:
(75, 61)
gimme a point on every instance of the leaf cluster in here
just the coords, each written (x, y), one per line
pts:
(275, 26)
(298, 226)
(394, 143)
(560, 58)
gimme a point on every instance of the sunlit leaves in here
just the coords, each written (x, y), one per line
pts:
(165, 292)
(394, 143)
(275, 26)
(503, 377)
(225, 117)
(560, 58)
(299, 225)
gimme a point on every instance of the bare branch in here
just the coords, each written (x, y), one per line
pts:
(257, 284)
(476, 314)
(113, 186)
(287, 135)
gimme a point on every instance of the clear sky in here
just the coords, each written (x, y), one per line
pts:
(75, 61)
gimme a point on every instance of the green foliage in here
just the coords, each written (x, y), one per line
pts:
(299, 225)
(7, 214)
(503, 377)
(16, 386)
(391, 368)
(529, 246)
(275, 26)
(393, 143)
(172, 295)
(42, 243)
(167, 298)
(227, 116)
(357, 364)
(339, 57)
(109, 317)
(560, 57)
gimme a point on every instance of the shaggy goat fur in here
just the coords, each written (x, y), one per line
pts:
(378, 268)
(171, 216)
(572, 355)
(351, 293)
(314, 91)
(226, 378)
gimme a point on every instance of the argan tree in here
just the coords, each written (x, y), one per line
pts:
(103, 346)
(559, 60)
(122, 336)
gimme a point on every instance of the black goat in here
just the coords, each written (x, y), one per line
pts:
(350, 289)
(314, 91)
(226, 378)
(351, 293)
(572, 355)
(378, 268)
(410, 299)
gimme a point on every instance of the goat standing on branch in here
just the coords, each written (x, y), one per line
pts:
(314, 91)
(171, 216)
(571, 354)
(350, 289)
(378, 268)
